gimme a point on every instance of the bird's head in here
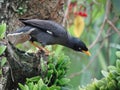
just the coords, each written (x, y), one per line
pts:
(80, 46)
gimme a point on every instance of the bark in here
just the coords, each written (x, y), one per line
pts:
(22, 65)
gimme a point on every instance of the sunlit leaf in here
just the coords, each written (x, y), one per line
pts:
(33, 79)
(118, 63)
(2, 30)
(26, 87)
(3, 61)
(118, 54)
(30, 85)
(2, 49)
(40, 82)
(54, 88)
(21, 86)
(78, 25)
(105, 73)
(36, 87)
(64, 81)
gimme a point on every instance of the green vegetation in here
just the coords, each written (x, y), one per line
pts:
(2, 47)
(82, 68)
(54, 75)
(111, 80)
(55, 78)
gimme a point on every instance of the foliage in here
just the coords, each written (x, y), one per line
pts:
(2, 30)
(2, 47)
(21, 10)
(111, 80)
(39, 85)
(116, 7)
(84, 68)
(55, 77)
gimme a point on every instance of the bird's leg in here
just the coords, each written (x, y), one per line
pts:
(41, 48)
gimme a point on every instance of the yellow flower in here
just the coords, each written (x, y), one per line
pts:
(78, 25)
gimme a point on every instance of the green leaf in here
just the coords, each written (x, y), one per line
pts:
(105, 73)
(2, 30)
(30, 85)
(102, 88)
(91, 87)
(59, 72)
(112, 68)
(21, 86)
(101, 83)
(111, 85)
(53, 87)
(40, 84)
(64, 81)
(2, 49)
(118, 84)
(44, 87)
(0, 71)
(35, 87)
(118, 64)
(51, 66)
(118, 78)
(33, 79)
(26, 87)
(3, 61)
(49, 73)
(118, 54)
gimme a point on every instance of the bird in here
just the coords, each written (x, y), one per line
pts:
(46, 32)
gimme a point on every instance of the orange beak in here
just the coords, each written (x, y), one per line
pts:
(86, 52)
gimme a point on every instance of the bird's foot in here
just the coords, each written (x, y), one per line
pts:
(47, 53)
(42, 49)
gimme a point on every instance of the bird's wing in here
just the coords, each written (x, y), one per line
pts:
(21, 35)
(46, 25)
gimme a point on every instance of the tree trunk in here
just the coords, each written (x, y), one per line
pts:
(22, 65)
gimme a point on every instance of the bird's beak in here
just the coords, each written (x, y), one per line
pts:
(86, 52)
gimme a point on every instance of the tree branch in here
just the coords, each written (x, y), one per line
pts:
(113, 26)
(22, 65)
(103, 24)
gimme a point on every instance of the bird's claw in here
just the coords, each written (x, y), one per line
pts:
(47, 53)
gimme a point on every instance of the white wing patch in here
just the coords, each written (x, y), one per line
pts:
(32, 29)
(14, 34)
(49, 32)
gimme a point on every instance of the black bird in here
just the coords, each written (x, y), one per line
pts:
(46, 32)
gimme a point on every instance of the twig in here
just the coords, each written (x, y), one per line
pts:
(66, 12)
(107, 36)
(103, 24)
(99, 34)
(113, 26)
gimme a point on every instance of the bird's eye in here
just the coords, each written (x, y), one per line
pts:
(79, 48)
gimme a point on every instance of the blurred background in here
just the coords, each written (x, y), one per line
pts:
(97, 23)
